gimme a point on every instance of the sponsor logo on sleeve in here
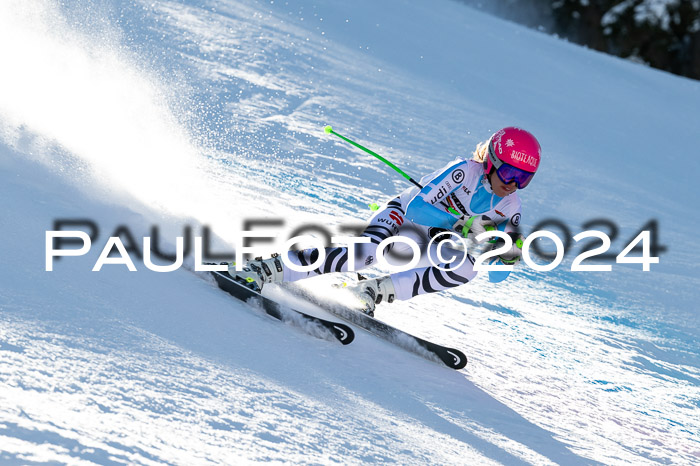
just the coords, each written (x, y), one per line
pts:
(395, 216)
(458, 176)
(394, 221)
(440, 194)
(515, 219)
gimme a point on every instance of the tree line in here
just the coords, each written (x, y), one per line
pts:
(664, 34)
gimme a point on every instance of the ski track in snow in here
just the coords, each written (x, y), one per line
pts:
(147, 401)
(206, 113)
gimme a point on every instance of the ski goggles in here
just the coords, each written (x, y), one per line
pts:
(508, 174)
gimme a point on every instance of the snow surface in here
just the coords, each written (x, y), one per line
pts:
(199, 113)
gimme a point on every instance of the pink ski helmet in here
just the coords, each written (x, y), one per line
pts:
(515, 153)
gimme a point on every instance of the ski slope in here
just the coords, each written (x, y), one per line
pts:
(193, 113)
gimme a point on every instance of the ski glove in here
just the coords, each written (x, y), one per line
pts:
(511, 256)
(473, 226)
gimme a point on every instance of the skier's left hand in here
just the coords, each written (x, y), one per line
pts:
(511, 256)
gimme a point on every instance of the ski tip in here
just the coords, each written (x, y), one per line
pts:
(455, 359)
(343, 333)
(328, 129)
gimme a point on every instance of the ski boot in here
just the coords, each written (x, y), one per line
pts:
(258, 272)
(374, 291)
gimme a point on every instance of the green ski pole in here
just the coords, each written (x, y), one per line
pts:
(329, 130)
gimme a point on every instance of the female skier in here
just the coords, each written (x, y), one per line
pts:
(482, 191)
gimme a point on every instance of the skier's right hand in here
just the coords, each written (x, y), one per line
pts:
(473, 226)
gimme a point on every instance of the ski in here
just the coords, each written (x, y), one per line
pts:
(343, 333)
(451, 357)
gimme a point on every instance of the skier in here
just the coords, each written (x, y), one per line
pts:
(482, 191)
